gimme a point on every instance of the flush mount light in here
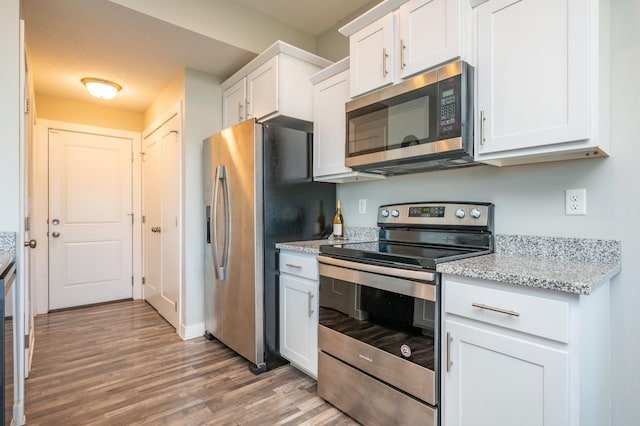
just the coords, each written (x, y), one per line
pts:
(100, 88)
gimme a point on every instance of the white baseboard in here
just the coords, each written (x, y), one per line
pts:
(191, 331)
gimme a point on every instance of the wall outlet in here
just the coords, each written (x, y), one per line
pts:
(575, 202)
(362, 206)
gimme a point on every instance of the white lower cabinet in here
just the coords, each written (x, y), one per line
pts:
(516, 355)
(497, 379)
(299, 311)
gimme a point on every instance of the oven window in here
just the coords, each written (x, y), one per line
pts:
(400, 325)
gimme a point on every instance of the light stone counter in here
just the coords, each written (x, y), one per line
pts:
(573, 265)
(354, 234)
(7, 250)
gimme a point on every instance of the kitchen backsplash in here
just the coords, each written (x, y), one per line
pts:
(361, 233)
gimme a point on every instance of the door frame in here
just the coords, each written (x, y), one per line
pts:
(40, 208)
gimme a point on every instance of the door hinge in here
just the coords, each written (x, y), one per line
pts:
(144, 219)
(132, 281)
(132, 156)
(27, 223)
(132, 217)
(144, 280)
(144, 156)
(176, 305)
(27, 106)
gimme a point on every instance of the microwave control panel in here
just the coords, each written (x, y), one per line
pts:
(449, 107)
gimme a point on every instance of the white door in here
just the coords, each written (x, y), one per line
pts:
(90, 222)
(161, 228)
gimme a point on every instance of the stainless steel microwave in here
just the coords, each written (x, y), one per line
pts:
(424, 123)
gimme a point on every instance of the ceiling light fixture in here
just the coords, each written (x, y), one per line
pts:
(100, 88)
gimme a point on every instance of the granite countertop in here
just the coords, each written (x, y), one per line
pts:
(353, 234)
(7, 250)
(310, 247)
(572, 265)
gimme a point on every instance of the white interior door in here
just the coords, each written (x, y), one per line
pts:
(90, 223)
(161, 228)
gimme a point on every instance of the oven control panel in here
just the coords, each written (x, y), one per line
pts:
(436, 214)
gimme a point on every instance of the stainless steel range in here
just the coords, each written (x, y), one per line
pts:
(379, 322)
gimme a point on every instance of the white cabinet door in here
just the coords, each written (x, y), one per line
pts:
(329, 133)
(520, 382)
(372, 51)
(299, 322)
(262, 89)
(533, 73)
(430, 34)
(233, 104)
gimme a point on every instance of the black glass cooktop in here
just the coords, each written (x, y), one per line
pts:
(406, 255)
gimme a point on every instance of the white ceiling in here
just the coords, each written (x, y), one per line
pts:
(71, 39)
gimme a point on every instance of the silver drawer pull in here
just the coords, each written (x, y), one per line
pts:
(491, 308)
(291, 265)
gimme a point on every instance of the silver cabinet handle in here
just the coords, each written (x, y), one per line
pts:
(449, 362)
(384, 62)
(310, 303)
(482, 120)
(291, 265)
(55, 234)
(403, 47)
(494, 309)
(240, 106)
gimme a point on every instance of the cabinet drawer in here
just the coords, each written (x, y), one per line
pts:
(521, 312)
(299, 264)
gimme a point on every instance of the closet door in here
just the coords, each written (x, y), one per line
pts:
(161, 227)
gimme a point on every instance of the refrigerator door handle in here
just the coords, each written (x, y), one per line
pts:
(220, 268)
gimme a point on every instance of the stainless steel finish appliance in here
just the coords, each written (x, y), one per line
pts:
(424, 123)
(258, 191)
(379, 320)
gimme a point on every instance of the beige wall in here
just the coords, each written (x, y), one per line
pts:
(334, 46)
(71, 111)
(227, 21)
(171, 95)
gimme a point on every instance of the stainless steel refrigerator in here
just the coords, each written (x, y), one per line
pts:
(258, 191)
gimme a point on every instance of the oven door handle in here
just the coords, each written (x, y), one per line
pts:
(378, 269)
(395, 280)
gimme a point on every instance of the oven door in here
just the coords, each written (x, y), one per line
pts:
(383, 321)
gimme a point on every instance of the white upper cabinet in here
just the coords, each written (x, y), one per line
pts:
(398, 39)
(433, 32)
(330, 93)
(372, 55)
(539, 77)
(273, 87)
(234, 103)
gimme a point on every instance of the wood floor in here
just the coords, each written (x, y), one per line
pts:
(122, 364)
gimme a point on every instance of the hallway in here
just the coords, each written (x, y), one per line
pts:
(122, 364)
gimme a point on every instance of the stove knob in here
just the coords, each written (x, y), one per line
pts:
(384, 213)
(460, 213)
(395, 213)
(475, 213)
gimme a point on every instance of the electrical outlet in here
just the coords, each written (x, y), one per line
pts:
(575, 202)
(362, 206)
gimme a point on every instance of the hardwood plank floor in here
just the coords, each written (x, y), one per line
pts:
(122, 364)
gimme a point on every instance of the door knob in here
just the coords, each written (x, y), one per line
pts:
(55, 222)
(31, 243)
(55, 234)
